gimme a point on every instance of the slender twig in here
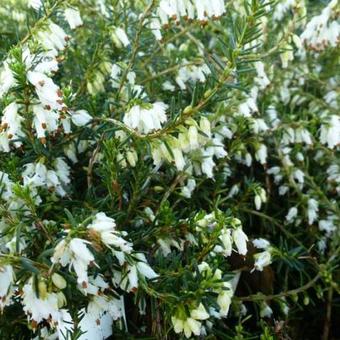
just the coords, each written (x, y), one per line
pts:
(147, 60)
(328, 319)
(84, 80)
(169, 70)
(92, 161)
(172, 187)
(272, 220)
(262, 297)
(135, 46)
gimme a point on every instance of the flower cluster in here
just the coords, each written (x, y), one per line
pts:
(146, 120)
(200, 10)
(322, 31)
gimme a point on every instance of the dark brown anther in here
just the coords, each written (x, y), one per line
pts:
(34, 324)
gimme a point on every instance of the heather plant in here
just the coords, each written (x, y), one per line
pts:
(169, 169)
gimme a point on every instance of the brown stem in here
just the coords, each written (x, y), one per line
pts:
(91, 163)
(262, 297)
(172, 187)
(328, 319)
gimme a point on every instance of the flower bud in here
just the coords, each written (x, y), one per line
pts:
(205, 126)
(263, 195)
(306, 300)
(187, 110)
(295, 297)
(240, 239)
(59, 281)
(297, 41)
(207, 93)
(132, 158)
(42, 290)
(61, 299)
(258, 202)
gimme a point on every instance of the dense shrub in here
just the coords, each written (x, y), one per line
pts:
(169, 169)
